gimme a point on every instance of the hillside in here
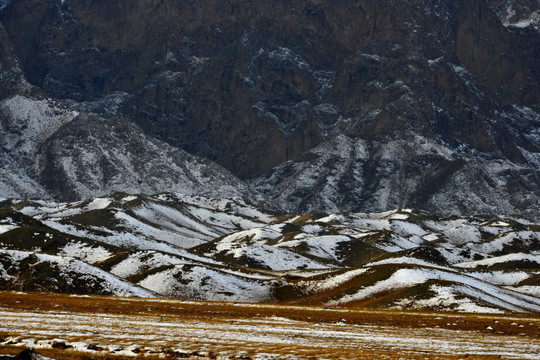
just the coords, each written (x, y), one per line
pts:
(190, 247)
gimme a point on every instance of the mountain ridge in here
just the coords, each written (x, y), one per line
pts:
(302, 107)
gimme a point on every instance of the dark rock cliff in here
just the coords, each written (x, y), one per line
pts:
(267, 88)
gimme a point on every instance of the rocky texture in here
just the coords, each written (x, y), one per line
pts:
(61, 153)
(346, 174)
(517, 13)
(13, 79)
(318, 105)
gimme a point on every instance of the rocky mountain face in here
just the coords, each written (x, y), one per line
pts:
(517, 13)
(51, 151)
(306, 105)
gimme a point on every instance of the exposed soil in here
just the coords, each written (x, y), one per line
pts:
(80, 327)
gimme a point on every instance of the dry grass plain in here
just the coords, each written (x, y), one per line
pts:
(92, 327)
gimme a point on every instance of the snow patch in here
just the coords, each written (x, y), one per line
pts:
(405, 278)
(83, 252)
(7, 227)
(98, 204)
(500, 260)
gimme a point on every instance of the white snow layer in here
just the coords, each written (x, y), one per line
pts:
(69, 267)
(405, 278)
(500, 260)
(88, 254)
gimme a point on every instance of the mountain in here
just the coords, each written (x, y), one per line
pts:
(300, 106)
(191, 247)
(517, 13)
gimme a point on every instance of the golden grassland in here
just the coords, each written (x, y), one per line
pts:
(125, 328)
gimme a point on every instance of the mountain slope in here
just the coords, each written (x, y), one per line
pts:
(408, 170)
(318, 106)
(51, 150)
(190, 247)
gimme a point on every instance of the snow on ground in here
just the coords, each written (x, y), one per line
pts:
(331, 282)
(235, 244)
(398, 217)
(88, 254)
(271, 257)
(501, 277)
(405, 278)
(7, 227)
(446, 297)
(128, 240)
(257, 234)
(113, 284)
(312, 229)
(98, 204)
(533, 20)
(463, 234)
(142, 228)
(405, 228)
(272, 337)
(431, 237)
(137, 262)
(165, 223)
(42, 209)
(242, 214)
(71, 268)
(333, 218)
(170, 218)
(225, 220)
(158, 231)
(251, 246)
(372, 224)
(440, 226)
(129, 198)
(500, 223)
(501, 260)
(527, 289)
(398, 243)
(454, 255)
(324, 247)
(403, 260)
(198, 283)
(260, 338)
(33, 121)
(402, 278)
(506, 239)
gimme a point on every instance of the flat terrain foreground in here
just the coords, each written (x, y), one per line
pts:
(80, 327)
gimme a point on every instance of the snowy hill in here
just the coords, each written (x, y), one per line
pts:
(191, 247)
(251, 151)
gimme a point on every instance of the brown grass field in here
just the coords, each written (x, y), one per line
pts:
(92, 327)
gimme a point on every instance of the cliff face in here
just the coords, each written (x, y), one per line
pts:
(267, 88)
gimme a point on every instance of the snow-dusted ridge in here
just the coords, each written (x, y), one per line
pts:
(50, 150)
(193, 247)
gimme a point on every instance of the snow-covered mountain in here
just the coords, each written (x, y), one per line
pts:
(408, 170)
(299, 106)
(191, 247)
(518, 13)
(52, 151)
